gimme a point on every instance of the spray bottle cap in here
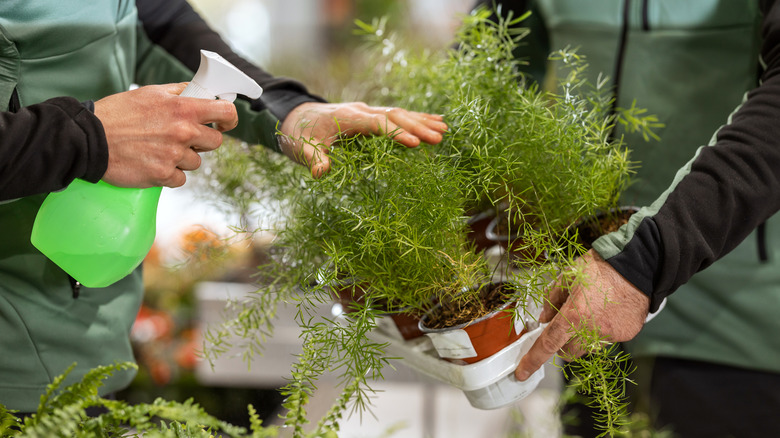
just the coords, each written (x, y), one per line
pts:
(218, 78)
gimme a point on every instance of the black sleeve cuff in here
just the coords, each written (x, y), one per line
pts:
(96, 142)
(281, 102)
(47, 145)
(640, 261)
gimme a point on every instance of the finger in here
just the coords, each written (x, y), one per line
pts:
(317, 159)
(572, 349)
(429, 117)
(414, 127)
(176, 179)
(556, 297)
(380, 124)
(220, 112)
(428, 127)
(190, 160)
(206, 139)
(552, 338)
(176, 89)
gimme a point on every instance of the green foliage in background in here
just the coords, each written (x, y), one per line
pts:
(395, 218)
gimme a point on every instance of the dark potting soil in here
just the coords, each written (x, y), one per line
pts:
(490, 298)
(602, 224)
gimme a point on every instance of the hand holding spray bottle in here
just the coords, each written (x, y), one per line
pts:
(99, 233)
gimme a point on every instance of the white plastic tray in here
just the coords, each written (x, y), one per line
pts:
(488, 384)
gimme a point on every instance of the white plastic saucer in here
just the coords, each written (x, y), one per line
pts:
(487, 384)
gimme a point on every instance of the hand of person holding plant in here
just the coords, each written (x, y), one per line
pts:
(598, 298)
(311, 128)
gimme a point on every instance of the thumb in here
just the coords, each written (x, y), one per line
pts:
(317, 160)
(552, 338)
(176, 88)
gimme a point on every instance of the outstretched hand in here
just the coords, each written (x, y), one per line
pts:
(154, 135)
(311, 128)
(602, 300)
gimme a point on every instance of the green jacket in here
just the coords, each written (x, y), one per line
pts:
(691, 63)
(85, 50)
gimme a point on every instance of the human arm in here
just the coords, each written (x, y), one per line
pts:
(35, 160)
(154, 135)
(140, 138)
(600, 299)
(176, 27)
(714, 203)
(309, 125)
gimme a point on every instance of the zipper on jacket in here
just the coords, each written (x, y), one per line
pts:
(14, 104)
(763, 256)
(75, 286)
(620, 55)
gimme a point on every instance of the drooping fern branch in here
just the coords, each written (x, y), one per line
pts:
(62, 412)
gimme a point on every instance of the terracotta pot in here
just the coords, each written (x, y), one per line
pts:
(350, 295)
(407, 323)
(478, 339)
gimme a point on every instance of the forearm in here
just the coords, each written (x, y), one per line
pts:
(177, 28)
(47, 145)
(717, 199)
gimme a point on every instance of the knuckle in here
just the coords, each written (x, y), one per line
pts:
(196, 161)
(173, 156)
(229, 109)
(177, 180)
(379, 119)
(159, 174)
(548, 345)
(218, 139)
(174, 178)
(182, 132)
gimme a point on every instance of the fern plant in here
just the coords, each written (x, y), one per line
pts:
(394, 218)
(62, 412)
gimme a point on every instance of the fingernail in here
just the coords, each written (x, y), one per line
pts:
(522, 375)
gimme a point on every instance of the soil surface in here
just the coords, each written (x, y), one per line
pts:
(490, 298)
(591, 230)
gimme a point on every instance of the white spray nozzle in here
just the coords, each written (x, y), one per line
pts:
(217, 78)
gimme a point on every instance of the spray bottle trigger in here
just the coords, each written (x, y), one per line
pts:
(217, 77)
(228, 96)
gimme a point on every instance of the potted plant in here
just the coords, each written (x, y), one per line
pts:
(487, 318)
(396, 218)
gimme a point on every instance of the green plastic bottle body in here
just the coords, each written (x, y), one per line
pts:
(97, 233)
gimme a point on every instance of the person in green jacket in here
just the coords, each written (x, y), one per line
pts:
(709, 363)
(65, 71)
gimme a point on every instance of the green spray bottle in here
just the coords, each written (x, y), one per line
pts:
(99, 233)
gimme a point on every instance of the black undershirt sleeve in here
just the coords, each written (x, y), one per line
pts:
(47, 145)
(731, 188)
(176, 27)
